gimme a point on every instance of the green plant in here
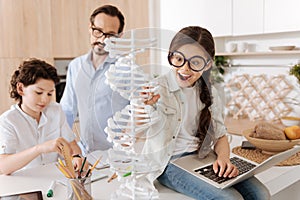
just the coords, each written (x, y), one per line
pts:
(218, 71)
(295, 70)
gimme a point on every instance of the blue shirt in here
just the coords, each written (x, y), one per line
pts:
(88, 96)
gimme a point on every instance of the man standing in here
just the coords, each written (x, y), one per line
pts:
(86, 94)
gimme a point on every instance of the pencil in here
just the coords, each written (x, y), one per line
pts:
(114, 176)
(96, 163)
(82, 166)
(62, 170)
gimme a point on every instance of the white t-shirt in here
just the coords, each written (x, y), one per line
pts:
(186, 140)
(19, 131)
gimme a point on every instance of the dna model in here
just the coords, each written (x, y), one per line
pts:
(126, 127)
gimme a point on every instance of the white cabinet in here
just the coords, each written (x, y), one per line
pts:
(247, 17)
(215, 15)
(282, 16)
(265, 16)
(231, 17)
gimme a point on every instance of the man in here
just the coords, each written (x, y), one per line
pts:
(86, 94)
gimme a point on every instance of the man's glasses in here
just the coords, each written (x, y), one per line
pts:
(98, 33)
(195, 63)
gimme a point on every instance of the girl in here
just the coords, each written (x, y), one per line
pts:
(192, 121)
(34, 130)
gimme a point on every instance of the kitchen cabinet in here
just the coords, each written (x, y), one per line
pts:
(52, 29)
(265, 16)
(214, 15)
(281, 16)
(247, 17)
(22, 33)
(70, 22)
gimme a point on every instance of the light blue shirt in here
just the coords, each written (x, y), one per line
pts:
(88, 96)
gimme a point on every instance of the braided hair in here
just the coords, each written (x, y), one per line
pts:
(200, 36)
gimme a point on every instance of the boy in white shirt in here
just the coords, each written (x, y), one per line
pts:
(35, 129)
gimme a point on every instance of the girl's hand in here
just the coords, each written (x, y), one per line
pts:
(152, 100)
(224, 168)
(151, 97)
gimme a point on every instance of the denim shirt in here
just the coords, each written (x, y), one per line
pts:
(88, 96)
(161, 137)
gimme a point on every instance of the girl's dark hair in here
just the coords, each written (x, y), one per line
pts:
(28, 73)
(111, 11)
(200, 36)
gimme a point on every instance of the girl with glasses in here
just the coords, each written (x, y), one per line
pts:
(192, 121)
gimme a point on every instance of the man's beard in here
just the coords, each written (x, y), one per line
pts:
(98, 48)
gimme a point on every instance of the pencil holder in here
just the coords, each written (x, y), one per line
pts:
(79, 188)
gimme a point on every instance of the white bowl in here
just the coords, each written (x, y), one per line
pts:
(290, 121)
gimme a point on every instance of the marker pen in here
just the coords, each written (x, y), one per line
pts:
(51, 189)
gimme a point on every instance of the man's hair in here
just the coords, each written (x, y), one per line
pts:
(111, 11)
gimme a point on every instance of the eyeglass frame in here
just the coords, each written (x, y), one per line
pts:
(187, 60)
(106, 35)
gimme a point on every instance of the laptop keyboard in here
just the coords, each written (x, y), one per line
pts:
(208, 171)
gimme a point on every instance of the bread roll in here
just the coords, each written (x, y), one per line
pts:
(265, 130)
(292, 132)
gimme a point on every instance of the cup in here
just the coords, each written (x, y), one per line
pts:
(79, 188)
(251, 47)
(242, 47)
(231, 47)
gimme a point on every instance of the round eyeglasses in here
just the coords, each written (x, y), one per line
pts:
(98, 33)
(195, 63)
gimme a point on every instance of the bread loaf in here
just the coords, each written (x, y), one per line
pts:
(265, 130)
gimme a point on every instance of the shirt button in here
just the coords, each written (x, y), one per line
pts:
(173, 137)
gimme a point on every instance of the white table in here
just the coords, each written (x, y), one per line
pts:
(277, 180)
(40, 179)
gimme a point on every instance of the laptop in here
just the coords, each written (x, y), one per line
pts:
(201, 168)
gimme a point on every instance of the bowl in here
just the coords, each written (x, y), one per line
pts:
(290, 121)
(270, 146)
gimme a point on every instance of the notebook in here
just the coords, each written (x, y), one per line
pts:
(200, 167)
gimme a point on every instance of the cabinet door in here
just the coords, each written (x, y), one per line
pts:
(25, 28)
(281, 16)
(70, 22)
(247, 17)
(215, 15)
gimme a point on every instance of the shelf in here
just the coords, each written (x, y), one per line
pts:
(267, 53)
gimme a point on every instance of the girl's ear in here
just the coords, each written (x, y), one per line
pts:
(20, 87)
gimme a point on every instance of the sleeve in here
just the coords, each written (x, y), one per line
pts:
(69, 100)
(218, 115)
(8, 138)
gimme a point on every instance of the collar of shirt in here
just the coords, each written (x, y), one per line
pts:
(109, 60)
(43, 119)
(172, 82)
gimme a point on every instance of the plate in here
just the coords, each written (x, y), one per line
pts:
(282, 48)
